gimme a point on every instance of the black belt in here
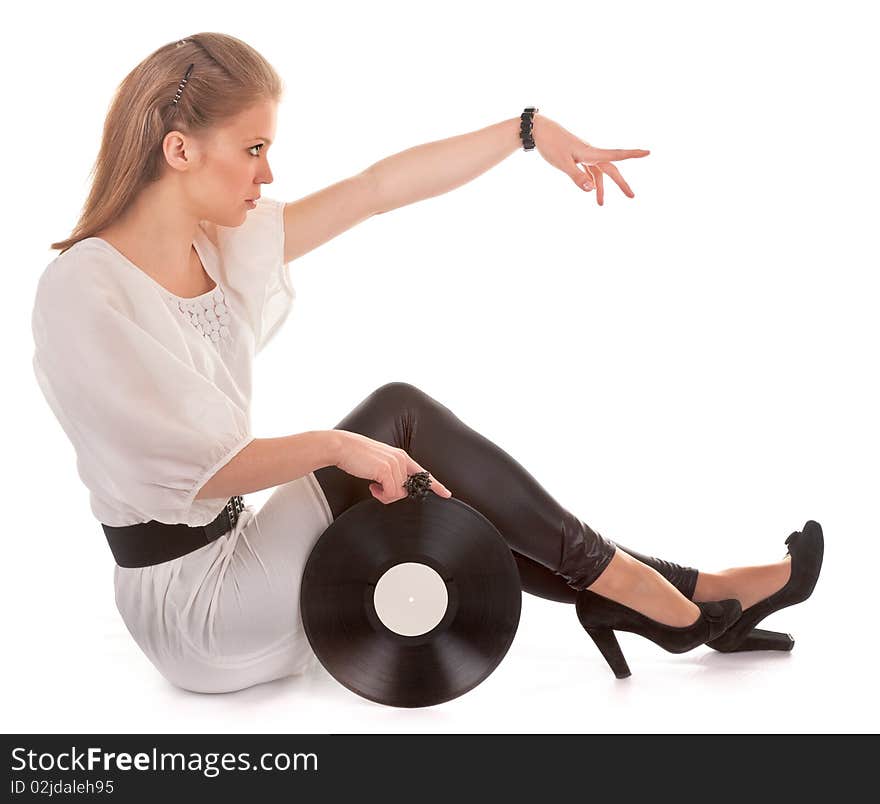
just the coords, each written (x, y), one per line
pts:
(153, 542)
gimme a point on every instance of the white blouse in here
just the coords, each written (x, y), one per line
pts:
(152, 389)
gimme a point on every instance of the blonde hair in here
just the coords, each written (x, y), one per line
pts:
(229, 77)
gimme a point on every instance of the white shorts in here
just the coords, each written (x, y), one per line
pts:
(227, 616)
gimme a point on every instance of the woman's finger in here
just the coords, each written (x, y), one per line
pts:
(395, 491)
(436, 486)
(616, 154)
(401, 474)
(600, 188)
(387, 481)
(588, 183)
(612, 171)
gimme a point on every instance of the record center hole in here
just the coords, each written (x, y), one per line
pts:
(410, 598)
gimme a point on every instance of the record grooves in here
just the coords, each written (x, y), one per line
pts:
(478, 581)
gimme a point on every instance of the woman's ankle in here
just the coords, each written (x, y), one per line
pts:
(748, 585)
(713, 586)
(633, 584)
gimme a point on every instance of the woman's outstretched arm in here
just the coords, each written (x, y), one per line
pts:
(434, 168)
(438, 167)
(416, 173)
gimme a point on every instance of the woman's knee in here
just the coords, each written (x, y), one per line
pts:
(396, 395)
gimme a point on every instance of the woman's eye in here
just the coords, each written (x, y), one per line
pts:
(260, 145)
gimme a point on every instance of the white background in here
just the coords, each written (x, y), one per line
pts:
(692, 371)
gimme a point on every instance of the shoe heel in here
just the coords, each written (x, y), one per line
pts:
(608, 646)
(759, 639)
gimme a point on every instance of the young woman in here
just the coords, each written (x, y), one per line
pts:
(145, 328)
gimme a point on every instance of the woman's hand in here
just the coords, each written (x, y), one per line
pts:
(565, 151)
(388, 466)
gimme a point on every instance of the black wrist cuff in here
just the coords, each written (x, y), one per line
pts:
(525, 127)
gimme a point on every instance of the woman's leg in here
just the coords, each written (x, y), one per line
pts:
(536, 579)
(543, 582)
(556, 553)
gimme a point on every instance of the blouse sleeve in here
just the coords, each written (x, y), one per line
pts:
(252, 259)
(149, 430)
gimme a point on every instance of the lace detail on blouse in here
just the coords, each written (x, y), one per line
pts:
(209, 314)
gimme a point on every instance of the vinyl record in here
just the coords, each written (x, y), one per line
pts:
(412, 603)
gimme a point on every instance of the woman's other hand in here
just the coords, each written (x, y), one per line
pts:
(388, 467)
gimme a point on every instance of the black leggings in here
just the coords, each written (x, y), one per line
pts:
(555, 552)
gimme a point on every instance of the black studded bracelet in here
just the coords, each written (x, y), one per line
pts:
(525, 127)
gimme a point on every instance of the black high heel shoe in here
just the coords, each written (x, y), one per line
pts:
(806, 548)
(601, 617)
(679, 577)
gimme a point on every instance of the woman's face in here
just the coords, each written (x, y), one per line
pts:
(231, 165)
